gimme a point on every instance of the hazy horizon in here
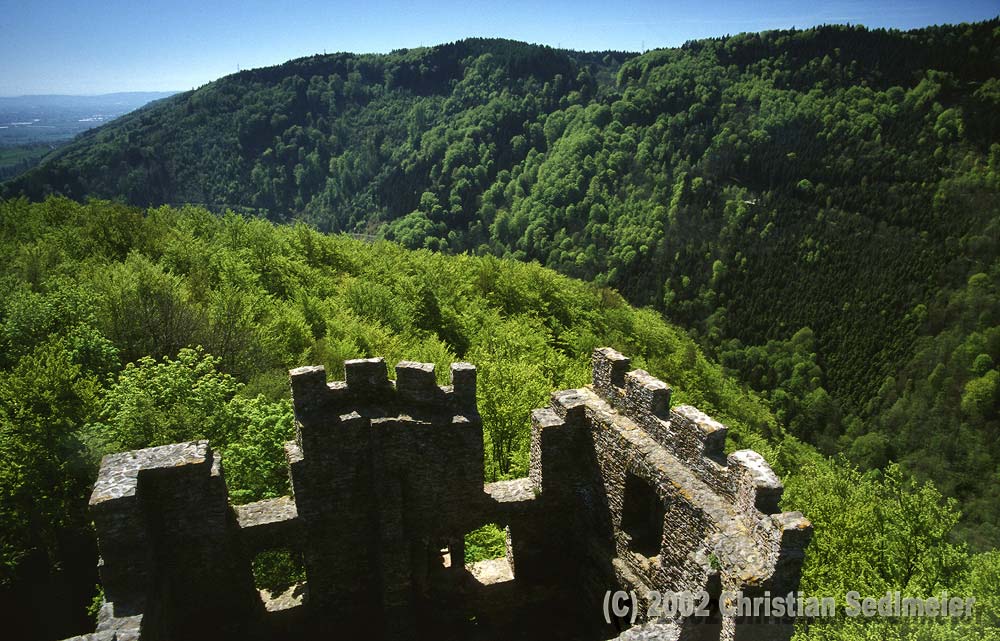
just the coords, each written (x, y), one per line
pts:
(88, 95)
(66, 48)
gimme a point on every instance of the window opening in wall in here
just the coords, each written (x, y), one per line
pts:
(486, 555)
(278, 571)
(643, 515)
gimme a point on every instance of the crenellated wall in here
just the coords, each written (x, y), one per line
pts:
(385, 474)
(624, 492)
(715, 519)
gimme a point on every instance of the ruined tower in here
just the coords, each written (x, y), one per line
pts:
(624, 493)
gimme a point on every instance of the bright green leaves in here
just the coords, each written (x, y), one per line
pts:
(981, 396)
(156, 403)
(487, 542)
(511, 382)
(255, 461)
(874, 532)
(144, 309)
(262, 298)
(883, 532)
(45, 399)
(187, 398)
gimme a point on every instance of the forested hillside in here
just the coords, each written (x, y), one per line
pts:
(819, 208)
(121, 328)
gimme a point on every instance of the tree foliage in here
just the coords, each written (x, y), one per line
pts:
(70, 391)
(817, 209)
(838, 181)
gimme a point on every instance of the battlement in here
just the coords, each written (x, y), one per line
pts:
(680, 514)
(366, 380)
(695, 438)
(624, 492)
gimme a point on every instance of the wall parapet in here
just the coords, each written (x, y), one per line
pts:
(623, 490)
(367, 380)
(705, 519)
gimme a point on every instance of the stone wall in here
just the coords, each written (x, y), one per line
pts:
(384, 475)
(623, 493)
(714, 518)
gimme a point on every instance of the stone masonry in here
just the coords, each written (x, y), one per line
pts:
(624, 493)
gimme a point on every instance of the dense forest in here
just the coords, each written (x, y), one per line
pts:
(809, 220)
(19, 159)
(818, 208)
(124, 328)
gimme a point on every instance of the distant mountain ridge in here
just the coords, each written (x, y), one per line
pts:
(55, 118)
(131, 97)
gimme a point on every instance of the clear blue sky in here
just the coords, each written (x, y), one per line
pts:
(79, 47)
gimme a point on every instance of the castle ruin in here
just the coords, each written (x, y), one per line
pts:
(624, 493)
